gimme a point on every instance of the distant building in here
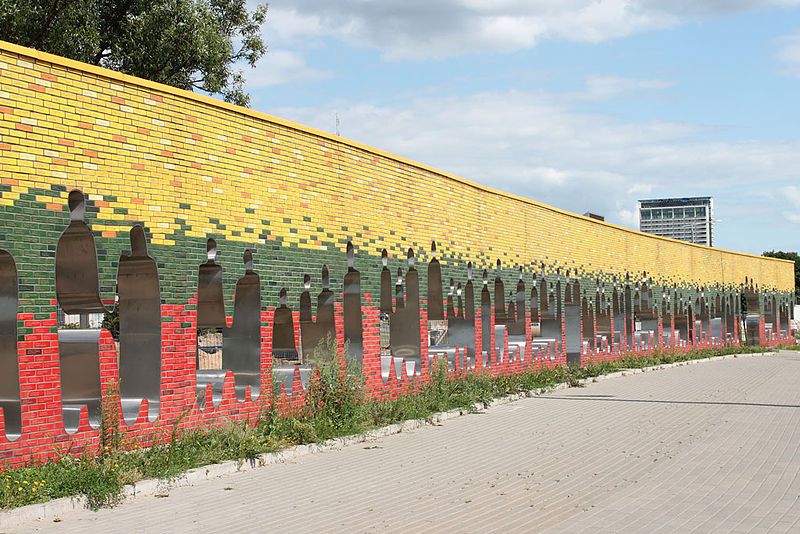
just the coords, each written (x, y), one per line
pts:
(594, 216)
(687, 219)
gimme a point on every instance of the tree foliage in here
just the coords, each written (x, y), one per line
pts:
(795, 257)
(190, 44)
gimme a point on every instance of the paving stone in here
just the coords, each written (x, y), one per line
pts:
(700, 448)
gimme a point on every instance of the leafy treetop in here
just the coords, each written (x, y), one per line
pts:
(190, 44)
(796, 259)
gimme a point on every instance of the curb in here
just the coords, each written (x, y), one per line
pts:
(152, 487)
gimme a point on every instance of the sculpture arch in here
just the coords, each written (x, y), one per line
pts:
(9, 363)
(78, 292)
(139, 307)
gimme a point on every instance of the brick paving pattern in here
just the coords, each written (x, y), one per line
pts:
(699, 448)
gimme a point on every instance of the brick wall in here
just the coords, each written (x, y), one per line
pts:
(188, 167)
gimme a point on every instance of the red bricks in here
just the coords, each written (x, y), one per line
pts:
(43, 434)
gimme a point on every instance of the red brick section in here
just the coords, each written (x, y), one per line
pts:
(44, 437)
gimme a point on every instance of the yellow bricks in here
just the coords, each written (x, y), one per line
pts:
(177, 160)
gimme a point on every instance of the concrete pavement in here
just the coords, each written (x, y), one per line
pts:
(707, 447)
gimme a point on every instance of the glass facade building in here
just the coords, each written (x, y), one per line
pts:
(688, 219)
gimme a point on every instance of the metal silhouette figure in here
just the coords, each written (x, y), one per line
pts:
(9, 363)
(325, 308)
(210, 298)
(241, 343)
(78, 292)
(386, 284)
(400, 300)
(139, 308)
(305, 301)
(587, 321)
(353, 329)
(312, 332)
(283, 344)
(550, 324)
(516, 322)
(486, 320)
(752, 317)
(536, 325)
(460, 303)
(404, 325)
(460, 330)
(544, 300)
(500, 317)
(469, 297)
(435, 311)
(451, 305)
(308, 328)
(572, 316)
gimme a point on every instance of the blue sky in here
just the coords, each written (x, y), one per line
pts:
(582, 104)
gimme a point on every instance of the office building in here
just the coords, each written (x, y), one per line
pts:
(688, 219)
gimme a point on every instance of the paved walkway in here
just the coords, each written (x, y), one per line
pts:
(707, 447)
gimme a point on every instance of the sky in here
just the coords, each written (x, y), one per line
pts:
(587, 105)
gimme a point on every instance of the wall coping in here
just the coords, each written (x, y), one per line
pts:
(261, 116)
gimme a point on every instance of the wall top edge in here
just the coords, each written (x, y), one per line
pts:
(261, 116)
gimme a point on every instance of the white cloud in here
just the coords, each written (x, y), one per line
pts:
(628, 217)
(541, 146)
(287, 25)
(640, 189)
(602, 87)
(789, 54)
(282, 66)
(792, 196)
(419, 29)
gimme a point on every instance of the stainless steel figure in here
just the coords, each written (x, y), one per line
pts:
(308, 329)
(210, 299)
(516, 320)
(550, 306)
(601, 315)
(435, 311)
(78, 292)
(353, 329)
(572, 319)
(461, 329)
(9, 364)
(80, 376)
(210, 314)
(312, 333)
(627, 310)
(77, 280)
(536, 325)
(283, 344)
(499, 297)
(305, 301)
(753, 315)
(730, 314)
(451, 304)
(325, 309)
(404, 322)
(241, 352)
(486, 320)
(587, 323)
(386, 284)
(469, 297)
(139, 329)
(666, 319)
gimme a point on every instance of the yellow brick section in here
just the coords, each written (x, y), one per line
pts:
(155, 147)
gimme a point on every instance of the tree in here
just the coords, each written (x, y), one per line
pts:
(190, 44)
(796, 259)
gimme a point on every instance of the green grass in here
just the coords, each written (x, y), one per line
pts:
(335, 406)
